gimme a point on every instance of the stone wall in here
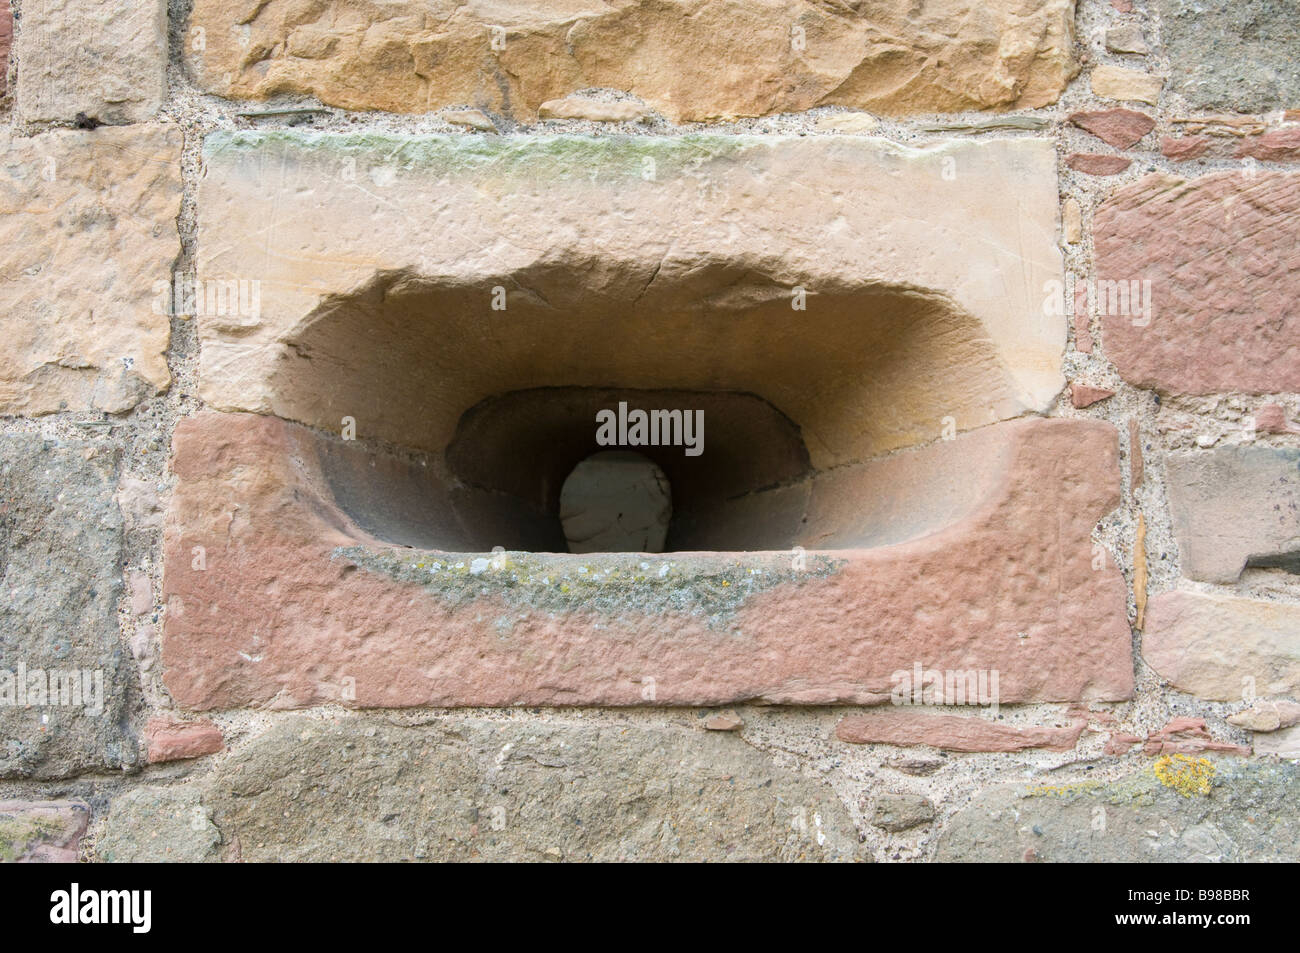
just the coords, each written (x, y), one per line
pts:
(1021, 276)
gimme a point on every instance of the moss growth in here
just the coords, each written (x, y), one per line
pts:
(19, 835)
(712, 586)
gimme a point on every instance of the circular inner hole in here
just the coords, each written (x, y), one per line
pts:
(616, 501)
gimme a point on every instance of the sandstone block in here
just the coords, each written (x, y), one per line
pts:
(1270, 715)
(901, 812)
(42, 832)
(1235, 507)
(471, 118)
(87, 239)
(1218, 254)
(1238, 55)
(1130, 85)
(1085, 395)
(474, 789)
(164, 825)
(893, 726)
(1121, 128)
(1284, 743)
(1005, 534)
(1184, 148)
(1223, 648)
(594, 110)
(1244, 816)
(691, 60)
(697, 232)
(1097, 164)
(171, 740)
(64, 680)
(1072, 223)
(1126, 38)
(102, 59)
(1187, 736)
(1277, 145)
(1273, 418)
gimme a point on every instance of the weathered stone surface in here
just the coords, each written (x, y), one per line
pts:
(107, 61)
(1248, 815)
(897, 726)
(42, 832)
(1085, 395)
(1219, 252)
(476, 789)
(60, 571)
(1120, 128)
(6, 41)
(1183, 148)
(594, 110)
(698, 233)
(1130, 85)
(901, 812)
(689, 59)
(171, 740)
(168, 825)
(1269, 715)
(1233, 507)
(1097, 164)
(1223, 648)
(1277, 145)
(89, 228)
(1005, 534)
(1187, 736)
(1232, 54)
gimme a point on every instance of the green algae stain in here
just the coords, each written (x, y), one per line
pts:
(371, 157)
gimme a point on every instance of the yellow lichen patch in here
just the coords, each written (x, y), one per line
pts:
(1185, 774)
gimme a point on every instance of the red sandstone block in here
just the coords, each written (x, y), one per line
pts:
(1187, 736)
(1121, 128)
(171, 740)
(897, 726)
(1279, 145)
(1183, 148)
(1121, 742)
(1085, 395)
(1219, 255)
(1097, 164)
(289, 608)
